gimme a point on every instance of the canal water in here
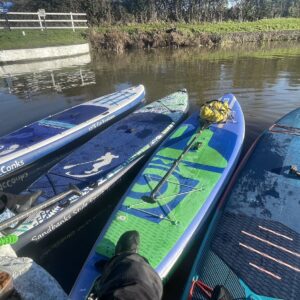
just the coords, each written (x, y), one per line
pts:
(265, 79)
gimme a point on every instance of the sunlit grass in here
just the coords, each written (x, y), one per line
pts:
(35, 38)
(222, 27)
(15, 39)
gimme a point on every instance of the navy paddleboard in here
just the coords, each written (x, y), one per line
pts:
(98, 164)
(252, 246)
(32, 142)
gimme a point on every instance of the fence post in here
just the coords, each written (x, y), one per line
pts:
(7, 22)
(72, 21)
(40, 21)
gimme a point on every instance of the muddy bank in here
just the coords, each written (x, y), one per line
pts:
(118, 41)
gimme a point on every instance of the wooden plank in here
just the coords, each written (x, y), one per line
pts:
(22, 13)
(48, 27)
(49, 14)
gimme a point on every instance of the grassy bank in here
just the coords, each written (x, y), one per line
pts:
(220, 28)
(158, 35)
(15, 39)
(118, 38)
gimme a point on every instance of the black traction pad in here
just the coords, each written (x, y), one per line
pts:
(263, 253)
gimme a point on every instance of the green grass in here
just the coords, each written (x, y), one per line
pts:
(221, 28)
(14, 39)
(34, 38)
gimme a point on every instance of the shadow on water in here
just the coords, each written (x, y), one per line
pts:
(266, 80)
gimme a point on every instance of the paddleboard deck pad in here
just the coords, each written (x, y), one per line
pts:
(183, 201)
(253, 243)
(32, 142)
(98, 164)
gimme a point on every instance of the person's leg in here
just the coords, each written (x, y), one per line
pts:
(128, 275)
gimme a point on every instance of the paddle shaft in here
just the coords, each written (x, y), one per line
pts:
(176, 162)
(39, 207)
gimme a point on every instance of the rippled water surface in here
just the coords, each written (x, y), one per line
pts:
(266, 81)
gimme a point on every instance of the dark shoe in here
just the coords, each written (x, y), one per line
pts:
(221, 293)
(100, 265)
(128, 242)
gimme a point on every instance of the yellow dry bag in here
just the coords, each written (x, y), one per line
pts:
(215, 111)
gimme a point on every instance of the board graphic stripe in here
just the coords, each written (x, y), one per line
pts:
(264, 271)
(270, 257)
(271, 244)
(65, 125)
(114, 98)
(276, 233)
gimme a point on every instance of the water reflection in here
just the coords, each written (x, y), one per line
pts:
(28, 79)
(266, 80)
(206, 73)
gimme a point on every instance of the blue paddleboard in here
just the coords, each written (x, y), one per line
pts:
(98, 164)
(32, 142)
(252, 246)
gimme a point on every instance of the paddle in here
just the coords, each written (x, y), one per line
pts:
(213, 111)
(153, 194)
(21, 216)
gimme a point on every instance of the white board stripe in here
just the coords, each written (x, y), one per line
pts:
(264, 271)
(270, 257)
(271, 244)
(276, 233)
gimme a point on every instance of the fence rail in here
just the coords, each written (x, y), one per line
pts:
(73, 23)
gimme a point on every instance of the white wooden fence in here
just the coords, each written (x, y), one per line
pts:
(40, 20)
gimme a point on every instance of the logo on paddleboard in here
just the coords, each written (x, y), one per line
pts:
(97, 164)
(13, 166)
